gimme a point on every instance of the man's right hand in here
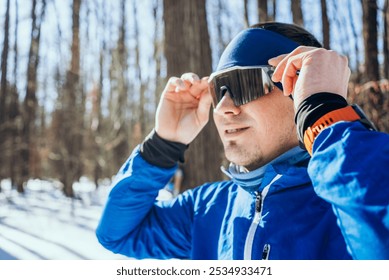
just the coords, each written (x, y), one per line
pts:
(183, 109)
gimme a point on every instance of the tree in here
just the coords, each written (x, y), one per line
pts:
(370, 95)
(246, 13)
(369, 8)
(386, 39)
(262, 11)
(29, 154)
(4, 64)
(158, 52)
(274, 4)
(297, 12)
(325, 24)
(4, 92)
(118, 135)
(96, 124)
(68, 118)
(354, 31)
(142, 87)
(187, 49)
(14, 115)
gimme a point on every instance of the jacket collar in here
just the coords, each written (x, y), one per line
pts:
(292, 163)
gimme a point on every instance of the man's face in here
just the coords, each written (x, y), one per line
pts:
(257, 132)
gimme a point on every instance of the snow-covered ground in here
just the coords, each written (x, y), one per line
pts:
(44, 224)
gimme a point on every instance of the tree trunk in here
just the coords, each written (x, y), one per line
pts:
(370, 39)
(386, 40)
(297, 12)
(325, 24)
(274, 2)
(15, 114)
(187, 49)
(30, 106)
(158, 53)
(358, 74)
(120, 121)
(4, 64)
(72, 106)
(142, 88)
(97, 118)
(371, 98)
(246, 14)
(262, 11)
(4, 135)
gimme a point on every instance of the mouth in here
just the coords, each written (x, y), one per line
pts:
(235, 131)
(228, 131)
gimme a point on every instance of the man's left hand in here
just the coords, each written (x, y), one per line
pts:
(320, 70)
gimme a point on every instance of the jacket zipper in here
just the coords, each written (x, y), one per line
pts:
(266, 252)
(259, 199)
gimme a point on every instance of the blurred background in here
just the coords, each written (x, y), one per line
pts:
(81, 80)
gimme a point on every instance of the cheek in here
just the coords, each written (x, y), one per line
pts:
(217, 122)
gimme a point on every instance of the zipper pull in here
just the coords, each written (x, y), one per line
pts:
(266, 252)
(258, 206)
(258, 202)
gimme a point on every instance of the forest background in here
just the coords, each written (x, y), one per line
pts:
(81, 80)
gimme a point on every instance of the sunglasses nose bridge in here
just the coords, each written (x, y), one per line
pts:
(226, 89)
(223, 90)
(226, 104)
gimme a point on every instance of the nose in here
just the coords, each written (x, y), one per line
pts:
(226, 106)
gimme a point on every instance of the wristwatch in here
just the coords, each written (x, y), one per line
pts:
(349, 113)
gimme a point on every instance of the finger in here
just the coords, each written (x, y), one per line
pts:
(279, 62)
(275, 60)
(191, 81)
(204, 106)
(198, 87)
(173, 84)
(278, 72)
(289, 76)
(182, 85)
(191, 77)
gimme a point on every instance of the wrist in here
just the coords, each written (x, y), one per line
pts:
(314, 115)
(313, 108)
(161, 152)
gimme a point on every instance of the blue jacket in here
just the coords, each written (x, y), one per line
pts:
(337, 208)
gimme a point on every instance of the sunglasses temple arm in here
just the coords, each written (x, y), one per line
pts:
(297, 73)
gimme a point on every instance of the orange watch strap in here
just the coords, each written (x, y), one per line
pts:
(343, 114)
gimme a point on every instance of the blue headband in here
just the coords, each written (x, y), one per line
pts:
(254, 46)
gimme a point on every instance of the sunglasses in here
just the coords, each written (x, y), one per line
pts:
(244, 84)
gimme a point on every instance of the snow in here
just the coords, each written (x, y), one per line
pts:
(44, 224)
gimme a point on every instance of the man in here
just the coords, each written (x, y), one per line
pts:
(280, 203)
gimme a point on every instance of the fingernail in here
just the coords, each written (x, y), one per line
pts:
(180, 84)
(195, 78)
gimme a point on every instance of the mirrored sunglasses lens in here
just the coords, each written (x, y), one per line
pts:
(243, 84)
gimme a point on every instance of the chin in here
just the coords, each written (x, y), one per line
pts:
(242, 157)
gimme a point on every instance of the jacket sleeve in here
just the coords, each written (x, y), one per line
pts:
(135, 224)
(350, 169)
